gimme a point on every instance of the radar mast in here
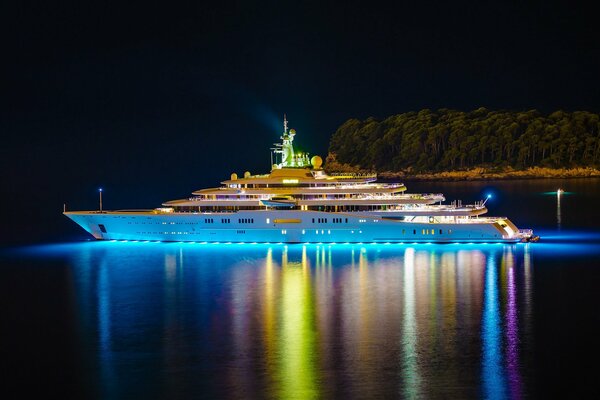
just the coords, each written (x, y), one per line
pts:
(289, 159)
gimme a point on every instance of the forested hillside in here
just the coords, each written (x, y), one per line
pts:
(444, 140)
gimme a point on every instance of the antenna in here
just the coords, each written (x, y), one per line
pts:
(285, 122)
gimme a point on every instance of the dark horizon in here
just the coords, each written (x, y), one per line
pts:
(152, 103)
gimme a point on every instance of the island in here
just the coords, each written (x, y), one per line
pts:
(480, 144)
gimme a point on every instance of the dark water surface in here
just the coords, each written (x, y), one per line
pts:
(184, 320)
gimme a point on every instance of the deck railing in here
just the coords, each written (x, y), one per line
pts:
(352, 175)
(416, 196)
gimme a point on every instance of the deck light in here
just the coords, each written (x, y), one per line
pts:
(489, 196)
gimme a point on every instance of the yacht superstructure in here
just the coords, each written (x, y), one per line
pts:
(298, 202)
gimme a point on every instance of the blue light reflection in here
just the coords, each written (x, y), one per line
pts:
(150, 309)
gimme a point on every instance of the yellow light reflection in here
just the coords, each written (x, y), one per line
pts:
(269, 333)
(297, 338)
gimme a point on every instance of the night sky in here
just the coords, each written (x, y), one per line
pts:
(151, 103)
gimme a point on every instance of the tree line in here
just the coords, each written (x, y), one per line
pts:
(446, 139)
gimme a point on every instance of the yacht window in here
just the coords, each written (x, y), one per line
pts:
(102, 228)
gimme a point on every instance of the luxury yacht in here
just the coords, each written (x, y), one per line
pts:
(298, 202)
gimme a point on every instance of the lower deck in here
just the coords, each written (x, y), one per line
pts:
(290, 226)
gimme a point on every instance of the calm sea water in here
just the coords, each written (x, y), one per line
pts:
(180, 320)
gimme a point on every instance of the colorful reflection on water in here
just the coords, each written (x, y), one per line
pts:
(305, 321)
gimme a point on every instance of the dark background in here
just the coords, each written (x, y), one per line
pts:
(151, 102)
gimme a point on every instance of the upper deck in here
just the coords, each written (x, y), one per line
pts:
(302, 179)
(305, 185)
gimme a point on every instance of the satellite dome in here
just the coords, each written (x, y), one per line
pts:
(316, 162)
(247, 174)
(234, 176)
(292, 131)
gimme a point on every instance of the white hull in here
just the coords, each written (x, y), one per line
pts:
(285, 226)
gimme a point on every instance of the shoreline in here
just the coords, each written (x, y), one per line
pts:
(483, 174)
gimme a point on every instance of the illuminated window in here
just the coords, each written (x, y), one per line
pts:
(268, 220)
